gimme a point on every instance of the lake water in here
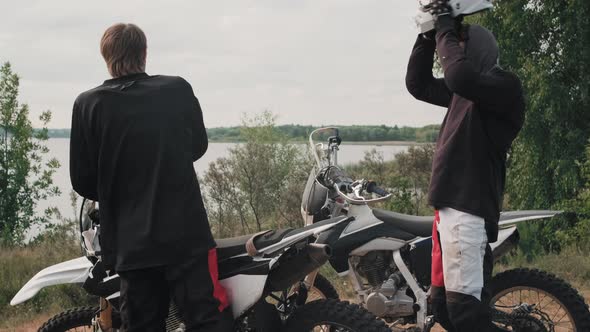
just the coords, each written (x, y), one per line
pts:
(59, 148)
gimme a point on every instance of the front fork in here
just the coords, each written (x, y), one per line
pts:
(310, 279)
(304, 287)
(104, 321)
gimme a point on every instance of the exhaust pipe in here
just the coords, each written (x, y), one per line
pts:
(294, 266)
(319, 253)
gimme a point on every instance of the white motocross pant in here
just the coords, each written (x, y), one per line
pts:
(463, 241)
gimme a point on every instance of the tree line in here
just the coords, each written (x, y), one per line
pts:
(300, 133)
(362, 133)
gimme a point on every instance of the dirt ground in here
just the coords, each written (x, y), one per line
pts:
(33, 325)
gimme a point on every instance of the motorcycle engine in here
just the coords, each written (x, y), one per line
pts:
(388, 296)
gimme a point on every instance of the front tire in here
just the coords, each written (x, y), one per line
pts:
(329, 315)
(563, 305)
(77, 319)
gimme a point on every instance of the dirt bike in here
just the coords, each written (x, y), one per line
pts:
(262, 274)
(387, 256)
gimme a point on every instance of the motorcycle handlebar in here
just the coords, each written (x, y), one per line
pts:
(337, 177)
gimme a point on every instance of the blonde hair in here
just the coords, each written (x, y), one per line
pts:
(123, 47)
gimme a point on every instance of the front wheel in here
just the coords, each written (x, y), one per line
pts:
(77, 319)
(333, 315)
(544, 301)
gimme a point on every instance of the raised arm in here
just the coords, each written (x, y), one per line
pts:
(463, 77)
(419, 79)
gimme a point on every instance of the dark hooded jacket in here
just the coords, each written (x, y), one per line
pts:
(133, 143)
(485, 113)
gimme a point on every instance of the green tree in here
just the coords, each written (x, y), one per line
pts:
(25, 175)
(578, 235)
(407, 177)
(545, 44)
(259, 184)
(415, 166)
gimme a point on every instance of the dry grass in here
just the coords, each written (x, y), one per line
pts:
(572, 265)
(19, 264)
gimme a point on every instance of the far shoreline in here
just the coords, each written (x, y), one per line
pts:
(344, 142)
(377, 143)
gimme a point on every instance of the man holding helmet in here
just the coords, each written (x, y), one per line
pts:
(485, 113)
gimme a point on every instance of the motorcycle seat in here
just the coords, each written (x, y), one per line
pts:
(234, 246)
(419, 226)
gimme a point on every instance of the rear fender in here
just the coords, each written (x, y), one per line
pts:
(512, 217)
(508, 236)
(70, 272)
(507, 240)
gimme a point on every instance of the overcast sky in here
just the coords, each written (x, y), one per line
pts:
(308, 61)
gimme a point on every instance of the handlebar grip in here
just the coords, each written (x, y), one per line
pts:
(373, 188)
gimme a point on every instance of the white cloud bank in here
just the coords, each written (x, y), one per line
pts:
(311, 62)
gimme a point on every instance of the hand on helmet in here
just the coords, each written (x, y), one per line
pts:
(440, 8)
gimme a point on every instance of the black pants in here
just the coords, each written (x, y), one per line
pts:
(193, 286)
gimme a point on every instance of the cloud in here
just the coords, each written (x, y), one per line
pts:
(312, 62)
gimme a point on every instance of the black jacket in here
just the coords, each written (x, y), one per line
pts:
(133, 143)
(485, 113)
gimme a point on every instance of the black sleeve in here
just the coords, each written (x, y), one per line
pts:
(419, 79)
(83, 155)
(463, 78)
(200, 140)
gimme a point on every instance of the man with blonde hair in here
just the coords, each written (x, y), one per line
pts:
(133, 143)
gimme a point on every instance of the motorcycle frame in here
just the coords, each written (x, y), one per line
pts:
(364, 219)
(78, 270)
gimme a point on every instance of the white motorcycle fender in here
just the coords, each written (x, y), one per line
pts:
(510, 218)
(70, 272)
(503, 235)
(243, 291)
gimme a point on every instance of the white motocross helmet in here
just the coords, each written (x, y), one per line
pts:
(425, 21)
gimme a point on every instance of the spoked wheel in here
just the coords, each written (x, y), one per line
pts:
(537, 301)
(332, 315)
(77, 319)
